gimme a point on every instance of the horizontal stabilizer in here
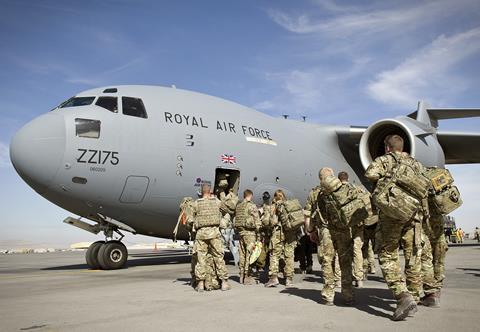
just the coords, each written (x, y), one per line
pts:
(430, 116)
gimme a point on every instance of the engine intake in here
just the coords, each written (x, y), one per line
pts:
(419, 141)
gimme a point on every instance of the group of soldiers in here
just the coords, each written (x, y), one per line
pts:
(341, 219)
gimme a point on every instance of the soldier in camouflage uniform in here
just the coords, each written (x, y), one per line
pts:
(247, 225)
(394, 232)
(317, 229)
(229, 202)
(266, 212)
(369, 231)
(281, 241)
(208, 239)
(187, 218)
(357, 235)
(433, 260)
(342, 242)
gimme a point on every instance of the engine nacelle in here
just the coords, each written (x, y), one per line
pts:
(420, 141)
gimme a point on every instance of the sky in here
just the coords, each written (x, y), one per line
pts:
(336, 62)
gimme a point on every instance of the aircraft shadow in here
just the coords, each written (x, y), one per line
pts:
(139, 260)
(470, 271)
(369, 300)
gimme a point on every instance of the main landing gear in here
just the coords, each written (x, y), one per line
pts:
(110, 255)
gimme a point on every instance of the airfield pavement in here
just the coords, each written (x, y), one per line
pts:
(56, 292)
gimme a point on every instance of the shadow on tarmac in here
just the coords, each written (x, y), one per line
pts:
(468, 271)
(368, 300)
(139, 260)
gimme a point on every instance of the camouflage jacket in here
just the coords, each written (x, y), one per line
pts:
(311, 208)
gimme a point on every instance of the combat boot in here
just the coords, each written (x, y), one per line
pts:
(242, 278)
(326, 302)
(200, 286)
(272, 282)
(431, 300)
(249, 281)
(359, 283)
(309, 269)
(225, 285)
(289, 282)
(405, 306)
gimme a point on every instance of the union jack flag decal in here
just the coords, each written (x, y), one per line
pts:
(229, 159)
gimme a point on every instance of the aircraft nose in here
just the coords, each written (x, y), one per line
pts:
(37, 150)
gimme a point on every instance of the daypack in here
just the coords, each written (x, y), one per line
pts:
(295, 214)
(400, 193)
(444, 197)
(187, 211)
(346, 201)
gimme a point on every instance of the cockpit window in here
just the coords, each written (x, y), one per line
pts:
(133, 107)
(110, 103)
(87, 128)
(77, 101)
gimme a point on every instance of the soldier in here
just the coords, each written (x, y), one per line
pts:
(340, 233)
(247, 224)
(229, 202)
(321, 235)
(433, 259)
(281, 241)
(357, 235)
(399, 229)
(208, 239)
(477, 234)
(266, 212)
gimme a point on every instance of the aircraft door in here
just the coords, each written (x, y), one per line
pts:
(232, 177)
(134, 189)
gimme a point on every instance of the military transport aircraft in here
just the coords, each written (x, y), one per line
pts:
(123, 157)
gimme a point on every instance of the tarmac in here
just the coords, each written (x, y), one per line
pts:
(56, 292)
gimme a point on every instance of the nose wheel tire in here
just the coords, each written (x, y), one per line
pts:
(112, 255)
(91, 256)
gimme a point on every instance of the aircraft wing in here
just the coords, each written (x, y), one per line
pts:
(460, 147)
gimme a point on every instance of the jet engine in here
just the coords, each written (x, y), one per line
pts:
(420, 141)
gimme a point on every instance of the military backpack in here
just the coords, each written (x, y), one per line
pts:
(400, 193)
(444, 197)
(345, 202)
(295, 218)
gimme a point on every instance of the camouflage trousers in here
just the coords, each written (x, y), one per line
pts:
(328, 257)
(282, 243)
(367, 248)
(246, 243)
(408, 234)
(343, 244)
(357, 236)
(214, 247)
(212, 281)
(433, 256)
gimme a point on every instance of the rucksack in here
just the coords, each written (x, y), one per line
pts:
(444, 197)
(400, 193)
(346, 200)
(295, 214)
